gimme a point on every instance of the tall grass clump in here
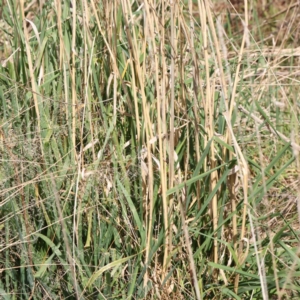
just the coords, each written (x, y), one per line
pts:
(149, 150)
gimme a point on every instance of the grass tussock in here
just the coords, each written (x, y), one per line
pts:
(149, 150)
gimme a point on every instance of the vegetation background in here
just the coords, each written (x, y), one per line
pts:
(149, 149)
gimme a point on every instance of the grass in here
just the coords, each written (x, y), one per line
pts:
(149, 150)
